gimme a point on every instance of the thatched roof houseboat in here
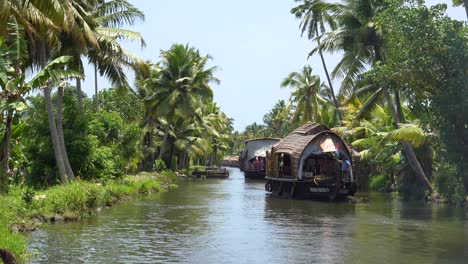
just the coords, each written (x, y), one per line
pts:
(312, 161)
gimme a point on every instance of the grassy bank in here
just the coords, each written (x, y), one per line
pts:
(26, 210)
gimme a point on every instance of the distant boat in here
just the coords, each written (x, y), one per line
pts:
(252, 160)
(311, 162)
(211, 172)
(231, 161)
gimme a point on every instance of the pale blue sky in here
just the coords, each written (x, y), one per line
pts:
(256, 43)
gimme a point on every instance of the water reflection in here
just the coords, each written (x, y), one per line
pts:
(234, 221)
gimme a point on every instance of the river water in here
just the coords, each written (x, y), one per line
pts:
(235, 221)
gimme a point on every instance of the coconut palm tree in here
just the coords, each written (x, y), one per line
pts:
(306, 97)
(361, 38)
(358, 35)
(279, 119)
(45, 22)
(314, 14)
(182, 84)
(111, 59)
(14, 59)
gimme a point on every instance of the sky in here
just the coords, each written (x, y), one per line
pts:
(255, 44)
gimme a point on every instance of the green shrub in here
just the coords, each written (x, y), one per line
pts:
(378, 182)
(159, 165)
(27, 195)
(448, 184)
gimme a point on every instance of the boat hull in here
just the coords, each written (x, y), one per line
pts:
(298, 189)
(254, 174)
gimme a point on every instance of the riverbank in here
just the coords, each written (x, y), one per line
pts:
(27, 210)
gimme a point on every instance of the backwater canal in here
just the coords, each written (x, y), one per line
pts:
(235, 221)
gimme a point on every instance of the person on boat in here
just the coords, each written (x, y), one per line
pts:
(345, 168)
(256, 164)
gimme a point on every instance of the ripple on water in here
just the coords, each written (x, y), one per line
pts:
(234, 221)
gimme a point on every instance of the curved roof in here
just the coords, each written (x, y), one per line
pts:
(295, 143)
(262, 138)
(297, 140)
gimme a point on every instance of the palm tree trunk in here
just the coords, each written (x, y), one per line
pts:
(398, 107)
(465, 3)
(335, 101)
(181, 163)
(163, 144)
(408, 149)
(54, 135)
(6, 152)
(171, 154)
(79, 93)
(66, 162)
(96, 92)
(150, 144)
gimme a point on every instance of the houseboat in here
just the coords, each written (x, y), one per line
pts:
(311, 162)
(252, 160)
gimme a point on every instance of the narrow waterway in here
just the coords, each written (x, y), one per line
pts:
(234, 221)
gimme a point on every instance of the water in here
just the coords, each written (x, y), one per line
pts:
(234, 221)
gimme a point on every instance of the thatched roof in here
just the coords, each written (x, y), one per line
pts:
(262, 138)
(294, 143)
(309, 139)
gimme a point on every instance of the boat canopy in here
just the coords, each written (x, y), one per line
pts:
(311, 139)
(258, 147)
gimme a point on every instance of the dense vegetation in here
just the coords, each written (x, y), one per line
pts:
(401, 104)
(403, 96)
(54, 136)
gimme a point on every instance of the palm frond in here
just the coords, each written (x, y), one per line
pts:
(408, 133)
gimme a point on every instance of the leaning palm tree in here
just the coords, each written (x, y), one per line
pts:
(358, 35)
(182, 84)
(306, 97)
(314, 14)
(361, 38)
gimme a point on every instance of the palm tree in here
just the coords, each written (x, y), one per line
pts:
(358, 35)
(362, 41)
(306, 97)
(182, 84)
(110, 58)
(279, 119)
(45, 22)
(314, 14)
(14, 57)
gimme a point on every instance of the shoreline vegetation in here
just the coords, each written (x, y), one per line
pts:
(401, 107)
(27, 210)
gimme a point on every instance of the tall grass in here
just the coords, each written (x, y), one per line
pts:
(26, 209)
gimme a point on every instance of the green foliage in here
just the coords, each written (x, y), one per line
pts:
(100, 145)
(125, 103)
(437, 91)
(378, 182)
(28, 195)
(448, 183)
(78, 199)
(171, 175)
(159, 165)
